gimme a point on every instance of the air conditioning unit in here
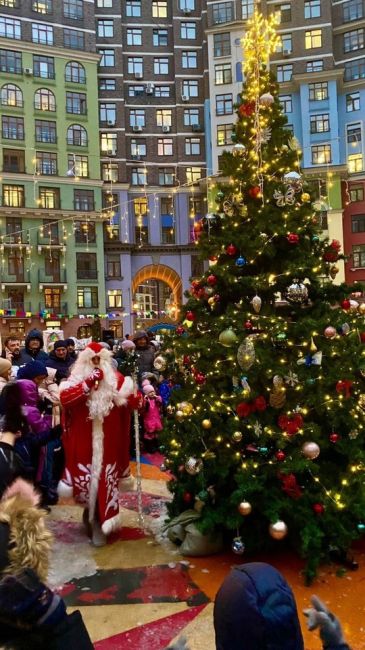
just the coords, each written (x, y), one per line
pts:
(196, 127)
(28, 71)
(166, 129)
(110, 123)
(136, 157)
(150, 89)
(110, 152)
(137, 128)
(186, 11)
(138, 75)
(286, 52)
(185, 98)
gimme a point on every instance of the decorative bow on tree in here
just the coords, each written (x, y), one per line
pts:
(311, 360)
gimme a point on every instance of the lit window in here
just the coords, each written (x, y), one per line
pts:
(159, 8)
(318, 91)
(319, 123)
(313, 39)
(321, 154)
(193, 174)
(355, 163)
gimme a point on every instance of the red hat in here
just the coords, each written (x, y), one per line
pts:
(95, 347)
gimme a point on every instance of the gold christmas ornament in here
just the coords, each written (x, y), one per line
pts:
(246, 354)
(208, 455)
(311, 450)
(362, 401)
(362, 308)
(186, 408)
(312, 348)
(278, 530)
(237, 436)
(305, 197)
(333, 271)
(193, 466)
(179, 415)
(244, 508)
(277, 397)
(207, 424)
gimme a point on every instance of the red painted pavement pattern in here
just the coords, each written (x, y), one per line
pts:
(152, 636)
(173, 584)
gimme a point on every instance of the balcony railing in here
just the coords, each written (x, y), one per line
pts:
(8, 304)
(84, 206)
(44, 240)
(59, 276)
(21, 277)
(87, 274)
(54, 307)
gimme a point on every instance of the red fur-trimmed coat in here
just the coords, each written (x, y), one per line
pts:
(91, 443)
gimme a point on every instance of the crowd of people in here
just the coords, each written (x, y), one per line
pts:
(65, 419)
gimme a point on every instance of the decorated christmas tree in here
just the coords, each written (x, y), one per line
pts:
(265, 434)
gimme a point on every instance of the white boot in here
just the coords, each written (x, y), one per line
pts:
(97, 538)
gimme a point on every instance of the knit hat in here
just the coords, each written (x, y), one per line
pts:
(5, 366)
(146, 382)
(70, 341)
(148, 388)
(128, 345)
(141, 334)
(59, 344)
(31, 370)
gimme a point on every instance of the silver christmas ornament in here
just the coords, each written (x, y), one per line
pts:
(296, 293)
(278, 530)
(256, 303)
(193, 466)
(266, 99)
(160, 363)
(238, 546)
(311, 450)
(238, 149)
(246, 354)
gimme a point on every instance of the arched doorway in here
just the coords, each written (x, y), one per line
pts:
(157, 293)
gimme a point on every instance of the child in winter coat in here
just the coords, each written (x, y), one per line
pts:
(151, 416)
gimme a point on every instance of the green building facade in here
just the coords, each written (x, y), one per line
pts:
(51, 225)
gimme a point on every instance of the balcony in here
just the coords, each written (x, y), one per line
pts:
(57, 278)
(46, 242)
(19, 279)
(13, 240)
(87, 274)
(54, 308)
(7, 304)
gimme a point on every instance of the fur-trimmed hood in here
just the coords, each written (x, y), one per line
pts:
(23, 531)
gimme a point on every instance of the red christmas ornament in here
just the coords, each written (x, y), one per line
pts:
(293, 238)
(200, 378)
(259, 404)
(243, 409)
(344, 386)
(187, 497)
(248, 325)
(213, 258)
(334, 437)
(345, 304)
(280, 456)
(254, 192)
(330, 256)
(318, 508)
(246, 109)
(200, 293)
(290, 485)
(231, 250)
(362, 337)
(212, 280)
(190, 316)
(186, 360)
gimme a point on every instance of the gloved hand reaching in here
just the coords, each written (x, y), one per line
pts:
(329, 626)
(92, 380)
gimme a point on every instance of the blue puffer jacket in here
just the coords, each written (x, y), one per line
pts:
(255, 610)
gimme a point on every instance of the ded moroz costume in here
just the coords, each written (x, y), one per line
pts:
(97, 403)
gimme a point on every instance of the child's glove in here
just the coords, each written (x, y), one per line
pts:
(329, 626)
